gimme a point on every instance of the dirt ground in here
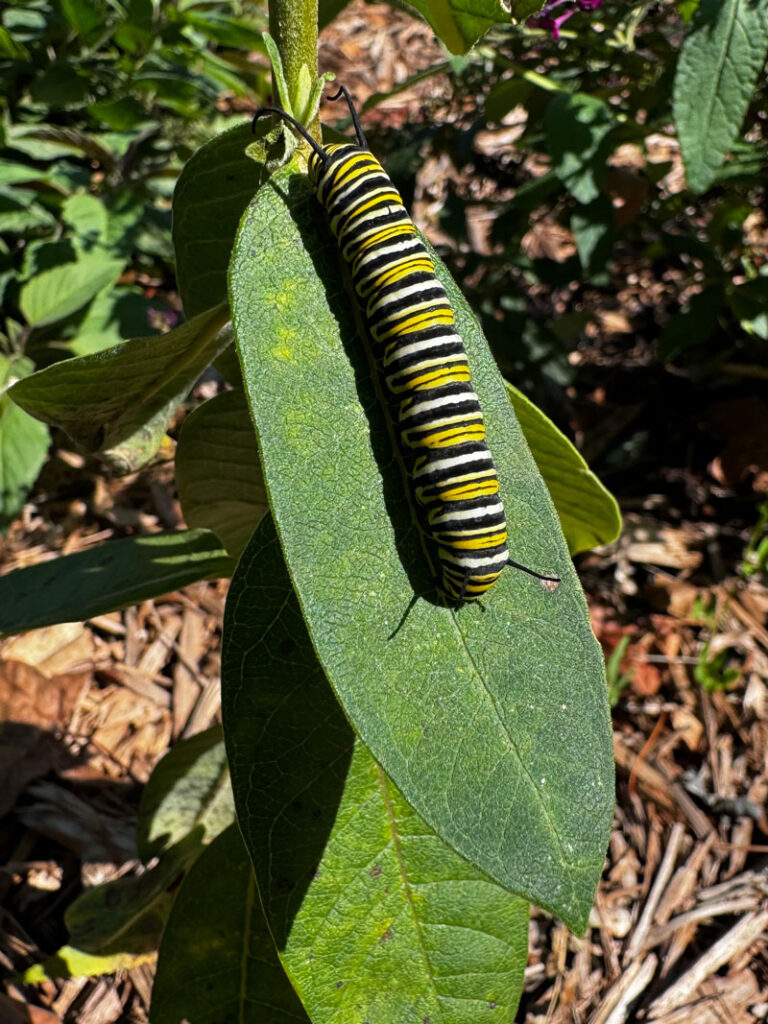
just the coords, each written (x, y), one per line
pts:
(679, 932)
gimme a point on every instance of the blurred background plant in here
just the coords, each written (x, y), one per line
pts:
(101, 104)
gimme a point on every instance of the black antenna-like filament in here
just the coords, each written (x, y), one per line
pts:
(263, 111)
(343, 91)
(531, 572)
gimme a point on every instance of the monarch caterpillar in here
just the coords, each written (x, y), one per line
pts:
(422, 361)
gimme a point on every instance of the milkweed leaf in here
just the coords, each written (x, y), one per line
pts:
(111, 576)
(218, 473)
(589, 514)
(493, 721)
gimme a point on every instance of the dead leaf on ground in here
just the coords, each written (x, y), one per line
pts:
(35, 711)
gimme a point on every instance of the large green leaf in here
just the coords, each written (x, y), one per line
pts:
(459, 24)
(23, 444)
(122, 398)
(189, 789)
(589, 514)
(113, 575)
(212, 191)
(217, 962)
(493, 720)
(221, 486)
(376, 919)
(55, 294)
(716, 75)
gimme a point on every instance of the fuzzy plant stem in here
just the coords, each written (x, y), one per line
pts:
(293, 26)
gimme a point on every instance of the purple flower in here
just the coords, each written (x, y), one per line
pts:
(543, 19)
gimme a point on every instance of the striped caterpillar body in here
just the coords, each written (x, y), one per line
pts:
(422, 361)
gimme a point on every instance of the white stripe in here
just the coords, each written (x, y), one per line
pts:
(435, 403)
(403, 293)
(420, 367)
(361, 218)
(474, 562)
(403, 220)
(410, 243)
(420, 346)
(355, 183)
(361, 201)
(455, 460)
(470, 513)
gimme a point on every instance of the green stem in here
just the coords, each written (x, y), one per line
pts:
(293, 26)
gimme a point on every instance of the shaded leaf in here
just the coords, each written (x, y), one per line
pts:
(218, 472)
(104, 399)
(128, 914)
(23, 444)
(493, 721)
(213, 189)
(189, 789)
(374, 916)
(693, 325)
(217, 962)
(716, 75)
(102, 579)
(592, 227)
(589, 514)
(576, 127)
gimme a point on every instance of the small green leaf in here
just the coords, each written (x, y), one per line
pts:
(214, 188)
(576, 127)
(69, 962)
(459, 24)
(106, 399)
(189, 789)
(217, 962)
(218, 472)
(592, 227)
(716, 75)
(376, 919)
(102, 579)
(19, 218)
(83, 15)
(88, 216)
(278, 75)
(589, 514)
(57, 293)
(23, 444)
(493, 720)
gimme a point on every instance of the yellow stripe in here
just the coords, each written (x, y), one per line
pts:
(402, 269)
(445, 375)
(444, 438)
(379, 197)
(495, 540)
(471, 490)
(430, 318)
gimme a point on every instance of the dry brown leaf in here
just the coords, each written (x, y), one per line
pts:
(34, 711)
